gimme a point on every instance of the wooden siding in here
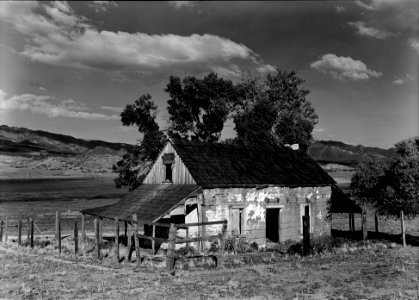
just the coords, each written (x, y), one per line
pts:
(180, 174)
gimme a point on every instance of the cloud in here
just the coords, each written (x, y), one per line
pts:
(414, 43)
(102, 6)
(364, 30)
(341, 67)
(41, 88)
(56, 35)
(340, 9)
(113, 108)
(319, 130)
(398, 81)
(46, 105)
(182, 4)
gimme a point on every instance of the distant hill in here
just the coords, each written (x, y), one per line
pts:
(341, 153)
(23, 141)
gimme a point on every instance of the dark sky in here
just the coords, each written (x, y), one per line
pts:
(71, 67)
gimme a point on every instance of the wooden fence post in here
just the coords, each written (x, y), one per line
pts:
(32, 233)
(136, 241)
(364, 224)
(403, 228)
(306, 234)
(59, 236)
(126, 229)
(57, 220)
(83, 228)
(223, 236)
(153, 242)
(116, 240)
(19, 233)
(76, 238)
(100, 230)
(29, 230)
(376, 222)
(1, 230)
(97, 238)
(129, 242)
(170, 256)
(6, 230)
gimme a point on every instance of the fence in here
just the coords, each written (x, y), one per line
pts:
(67, 224)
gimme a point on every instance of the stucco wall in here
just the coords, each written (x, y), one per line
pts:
(219, 203)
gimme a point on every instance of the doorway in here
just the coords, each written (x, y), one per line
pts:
(273, 224)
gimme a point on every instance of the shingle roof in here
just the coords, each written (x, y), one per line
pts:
(227, 165)
(149, 201)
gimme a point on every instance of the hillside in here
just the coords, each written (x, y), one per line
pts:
(26, 153)
(344, 154)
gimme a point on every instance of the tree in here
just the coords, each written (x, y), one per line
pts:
(198, 108)
(400, 185)
(143, 114)
(365, 181)
(279, 104)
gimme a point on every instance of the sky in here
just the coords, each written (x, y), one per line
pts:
(71, 67)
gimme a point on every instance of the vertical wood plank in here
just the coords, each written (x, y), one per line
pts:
(59, 236)
(136, 241)
(32, 237)
(126, 229)
(6, 230)
(187, 236)
(223, 236)
(364, 224)
(57, 219)
(116, 240)
(403, 228)
(29, 230)
(353, 222)
(76, 238)
(97, 238)
(376, 222)
(153, 242)
(129, 242)
(1, 230)
(83, 227)
(100, 220)
(19, 233)
(170, 256)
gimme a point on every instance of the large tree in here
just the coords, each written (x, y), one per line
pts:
(279, 105)
(198, 108)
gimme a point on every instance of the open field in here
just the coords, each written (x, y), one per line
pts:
(363, 274)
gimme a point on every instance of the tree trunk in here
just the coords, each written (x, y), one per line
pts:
(403, 229)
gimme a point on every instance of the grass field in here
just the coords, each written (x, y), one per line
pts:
(373, 273)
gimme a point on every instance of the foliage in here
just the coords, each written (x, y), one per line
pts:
(393, 184)
(198, 108)
(364, 182)
(275, 110)
(237, 244)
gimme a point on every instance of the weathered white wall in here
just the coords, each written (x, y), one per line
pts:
(218, 203)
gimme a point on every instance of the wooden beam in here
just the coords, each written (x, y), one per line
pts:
(76, 238)
(116, 240)
(19, 233)
(364, 224)
(6, 230)
(136, 240)
(32, 233)
(403, 228)
(170, 257)
(97, 237)
(83, 227)
(223, 235)
(153, 242)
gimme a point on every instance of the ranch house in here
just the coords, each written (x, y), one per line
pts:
(263, 192)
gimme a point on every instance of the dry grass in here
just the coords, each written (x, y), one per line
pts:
(350, 273)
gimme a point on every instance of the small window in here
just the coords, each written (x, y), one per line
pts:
(237, 221)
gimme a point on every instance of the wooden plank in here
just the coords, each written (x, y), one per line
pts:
(1, 230)
(59, 236)
(6, 230)
(139, 222)
(19, 233)
(57, 219)
(83, 227)
(223, 237)
(32, 237)
(403, 228)
(170, 257)
(146, 237)
(153, 242)
(29, 230)
(136, 240)
(97, 237)
(201, 224)
(100, 225)
(116, 240)
(198, 239)
(76, 238)
(376, 222)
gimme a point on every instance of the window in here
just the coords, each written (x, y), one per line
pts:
(168, 173)
(168, 162)
(237, 221)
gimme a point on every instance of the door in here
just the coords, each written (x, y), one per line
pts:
(272, 224)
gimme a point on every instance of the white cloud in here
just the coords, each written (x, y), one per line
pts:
(319, 130)
(398, 81)
(182, 4)
(41, 88)
(341, 67)
(340, 9)
(102, 6)
(414, 43)
(113, 108)
(56, 36)
(46, 105)
(364, 30)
